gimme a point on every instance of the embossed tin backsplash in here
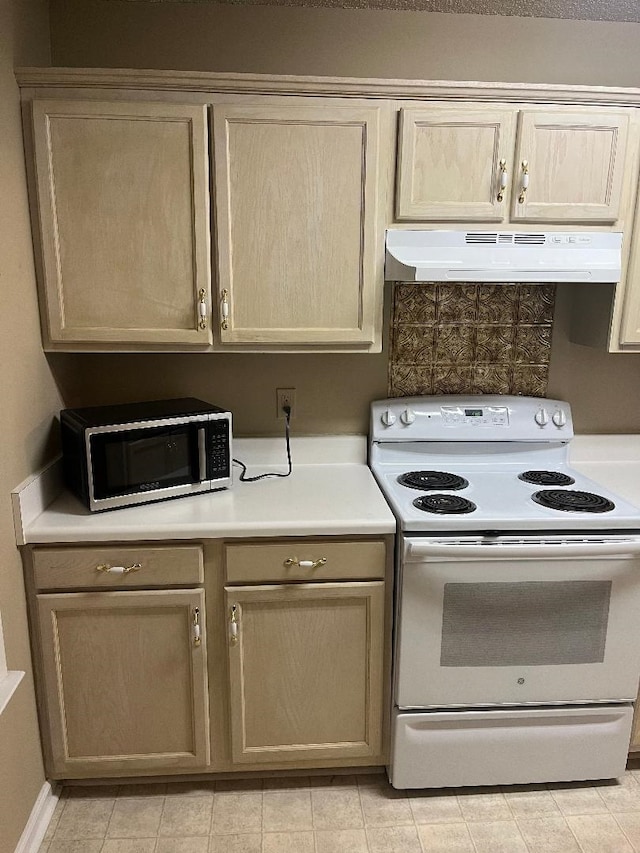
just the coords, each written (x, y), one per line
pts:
(470, 339)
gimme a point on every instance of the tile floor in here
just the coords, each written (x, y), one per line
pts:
(346, 814)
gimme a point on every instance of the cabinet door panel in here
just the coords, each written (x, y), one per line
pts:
(297, 223)
(306, 672)
(575, 162)
(449, 163)
(125, 682)
(123, 204)
(628, 331)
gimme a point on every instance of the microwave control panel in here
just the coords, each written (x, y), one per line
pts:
(218, 449)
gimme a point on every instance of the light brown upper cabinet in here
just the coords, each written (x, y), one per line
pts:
(450, 163)
(299, 224)
(569, 166)
(123, 207)
(472, 163)
(625, 313)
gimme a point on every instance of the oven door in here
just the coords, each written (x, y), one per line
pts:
(517, 620)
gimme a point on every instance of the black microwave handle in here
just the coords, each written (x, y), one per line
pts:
(202, 454)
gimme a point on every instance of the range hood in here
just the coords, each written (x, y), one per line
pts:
(503, 256)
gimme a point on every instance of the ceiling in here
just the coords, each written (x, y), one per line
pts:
(586, 10)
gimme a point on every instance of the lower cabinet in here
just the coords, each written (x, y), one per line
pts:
(120, 663)
(125, 678)
(292, 673)
(305, 665)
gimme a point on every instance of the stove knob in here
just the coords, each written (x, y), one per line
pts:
(408, 417)
(388, 418)
(559, 418)
(541, 417)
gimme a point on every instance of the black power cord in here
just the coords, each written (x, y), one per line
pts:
(244, 479)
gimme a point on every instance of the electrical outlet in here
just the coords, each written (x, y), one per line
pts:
(285, 397)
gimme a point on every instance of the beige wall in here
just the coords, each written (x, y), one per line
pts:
(333, 391)
(29, 401)
(342, 42)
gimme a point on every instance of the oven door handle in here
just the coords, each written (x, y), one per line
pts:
(416, 551)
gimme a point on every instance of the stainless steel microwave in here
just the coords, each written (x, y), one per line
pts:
(115, 456)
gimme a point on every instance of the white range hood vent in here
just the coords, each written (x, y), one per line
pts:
(503, 256)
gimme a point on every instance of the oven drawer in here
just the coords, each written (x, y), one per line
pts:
(518, 746)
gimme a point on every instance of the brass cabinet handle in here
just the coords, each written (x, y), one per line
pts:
(224, 310)
(503, 180)
(234, 627)
(195, 626)
(524, 186)
(118, 570)
(202, 309)
(305, 564)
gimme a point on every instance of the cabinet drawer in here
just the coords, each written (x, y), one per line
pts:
(62, 568)
(281, 561)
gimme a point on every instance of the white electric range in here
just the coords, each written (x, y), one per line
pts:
(517, 639)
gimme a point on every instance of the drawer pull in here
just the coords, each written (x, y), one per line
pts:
(202, 309)
(118, 570)
(224, 311)
(305, 564)
(197, 639)
(504, 179)
(233, 626)
(524, 186)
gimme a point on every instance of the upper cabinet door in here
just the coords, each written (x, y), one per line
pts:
(299, 234)
(569, 166)
(124, 220)
(455, 163)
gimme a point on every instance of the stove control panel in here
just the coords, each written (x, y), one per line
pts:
(473, 417)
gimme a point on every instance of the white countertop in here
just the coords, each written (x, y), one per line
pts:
(613, 460)
(338, 497)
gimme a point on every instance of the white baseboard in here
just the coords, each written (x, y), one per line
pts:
(36, 827)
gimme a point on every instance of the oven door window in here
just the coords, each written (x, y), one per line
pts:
(143, 460)
(524, 624)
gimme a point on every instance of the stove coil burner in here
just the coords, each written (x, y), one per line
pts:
(546, 478)
(570, 501)
(427, 480)
(444, 504)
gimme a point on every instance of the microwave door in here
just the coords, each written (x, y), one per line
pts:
(144, 460)
(161, 459)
